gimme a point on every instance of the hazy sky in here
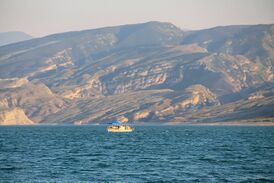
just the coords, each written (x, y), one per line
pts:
(43, 17)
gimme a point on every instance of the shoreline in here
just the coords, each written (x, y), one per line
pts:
(232, 123)
(236, 124)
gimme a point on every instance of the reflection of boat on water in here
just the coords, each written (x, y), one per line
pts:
(119, 127)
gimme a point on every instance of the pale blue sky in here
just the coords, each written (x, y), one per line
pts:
(43, 17)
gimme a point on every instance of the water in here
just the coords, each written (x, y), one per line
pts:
(149, 154)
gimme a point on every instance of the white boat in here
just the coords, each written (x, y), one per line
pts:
(119, 127)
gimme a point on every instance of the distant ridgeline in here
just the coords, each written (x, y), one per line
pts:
(13, 37)
(150, 72)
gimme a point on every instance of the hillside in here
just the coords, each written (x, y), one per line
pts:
(13, 37)
(150, 72)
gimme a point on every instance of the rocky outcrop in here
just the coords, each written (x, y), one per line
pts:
(144, 72)
(15, 116)
(256, 96)
(12, 82)
(238, 71)
(195, 97)
(35, 98)
(141, 115)
(92, 88)
(122, 119)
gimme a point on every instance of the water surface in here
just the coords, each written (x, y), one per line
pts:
(149, 154)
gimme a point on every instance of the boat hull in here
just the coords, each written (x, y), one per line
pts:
(120, 129)
(115, 130)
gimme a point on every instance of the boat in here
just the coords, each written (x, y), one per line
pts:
(119, 127)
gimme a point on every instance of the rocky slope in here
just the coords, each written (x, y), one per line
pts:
(151, 72)
(15, 116)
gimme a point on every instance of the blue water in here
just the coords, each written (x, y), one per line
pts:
(149, 154)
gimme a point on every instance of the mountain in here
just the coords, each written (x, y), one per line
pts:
(149, 72)
(14, 117)
(13, 37)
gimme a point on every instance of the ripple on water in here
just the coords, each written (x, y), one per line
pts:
(149, 154)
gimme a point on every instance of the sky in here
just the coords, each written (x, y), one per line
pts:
(43, 17)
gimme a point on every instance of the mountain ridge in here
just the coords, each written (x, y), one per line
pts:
(12, 37)
(141, 72)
